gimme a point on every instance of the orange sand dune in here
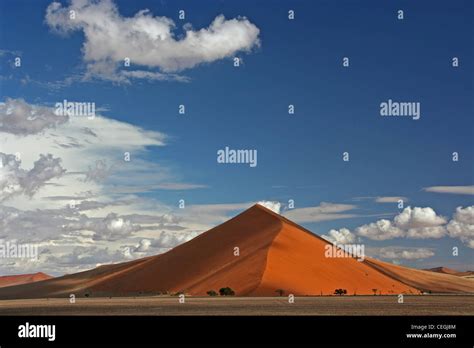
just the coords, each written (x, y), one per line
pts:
(22, 279)
(273, 253)
(447, 270)
(426, 281)
(296, 263)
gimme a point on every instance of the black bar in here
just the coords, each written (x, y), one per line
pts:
(286, 330)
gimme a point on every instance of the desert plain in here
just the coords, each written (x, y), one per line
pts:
(416, 305)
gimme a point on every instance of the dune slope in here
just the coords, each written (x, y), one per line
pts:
(426, 281)
(17, 279)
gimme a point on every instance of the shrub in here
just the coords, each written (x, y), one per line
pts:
(212, 293)
(280, 292)
(340, 292)
(226, 292)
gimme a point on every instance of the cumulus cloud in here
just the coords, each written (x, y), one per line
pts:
(462, 225)
(401, 253)
(70, 226)
(273, 206)
(84, 257)
(147, 40)
(14, 180)
(418, 218)
(161, 242)
(417, 223)
(460, 190)
(139, 249)
(143, 246)
(380, 230)
(99, 171)
(112, 227)
(421, 223)
(342, 236)
(323, 212)
(167, 240)
(20, 118)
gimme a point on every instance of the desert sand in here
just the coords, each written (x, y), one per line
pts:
(18, 279)
(274, 253)
(170, 306)
(426, 281)
(447, 270)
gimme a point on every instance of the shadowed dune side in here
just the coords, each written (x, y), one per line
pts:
(207, 262)
(18, 279)
(424, 280)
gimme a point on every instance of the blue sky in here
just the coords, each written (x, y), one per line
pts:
(297, 62)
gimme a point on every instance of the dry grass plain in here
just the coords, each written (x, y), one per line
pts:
(321, 305)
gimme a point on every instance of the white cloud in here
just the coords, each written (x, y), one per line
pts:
(418, 218)
(144, 245)
(14, 180)
(416, 223)
(342, 236)
(323, 212)
(89, 149)
(20, 118)
(462, 225)
(136, 250)
(421, 223)
(401, 253)
(112, 227)
(460, 190)
(390, 199)
(83, 258)
(169, 240)
(153, 76)
(99, 171)
(380, 230)
(147, 40)
(161, 242)
(273, 206)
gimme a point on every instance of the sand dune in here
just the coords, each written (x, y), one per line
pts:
(296, 263)
(17, 279)
(426, 281)
(274, 253)
(447, 270)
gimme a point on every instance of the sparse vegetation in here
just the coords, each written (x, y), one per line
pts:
(212, 293)
(226, 291)
(340, 292)
(280, 292)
